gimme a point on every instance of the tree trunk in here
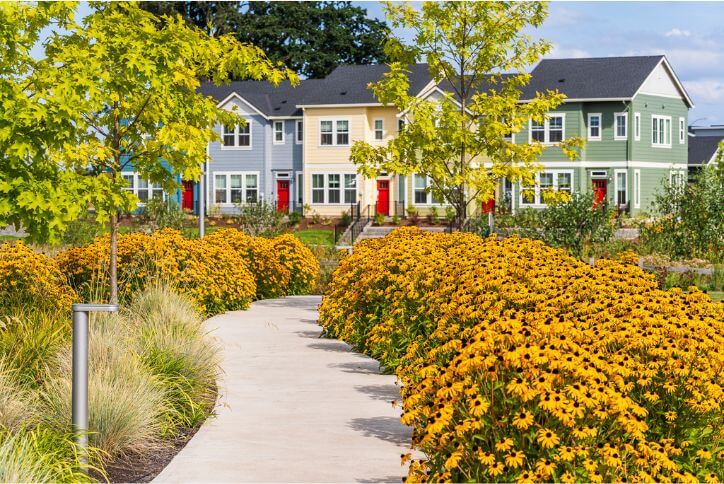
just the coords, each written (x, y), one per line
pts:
(113, 260)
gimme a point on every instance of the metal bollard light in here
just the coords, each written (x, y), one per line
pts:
(80, 371)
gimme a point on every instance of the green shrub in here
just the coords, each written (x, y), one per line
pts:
(172, 345)
(434, 216)
(260, 219)
(346, 218)
(162, 214)
(379, 219)
(81, 232)
(690, 218)
(294, 218)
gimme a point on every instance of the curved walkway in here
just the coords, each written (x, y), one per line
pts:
(293, 407)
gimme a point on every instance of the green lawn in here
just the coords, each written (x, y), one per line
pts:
(717, 295)
(316, 237)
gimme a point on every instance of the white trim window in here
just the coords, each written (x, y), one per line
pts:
(620, 126)
(421, 192)
(621, 186)
(550, 132)
(594, 126)
(637, 188)
(334, 188)
(682, 131)
(548, 180)
(379, 126)
(677, 178)
(300, 188)
(233, 187)
(236, 137)
(334, 132)
(299, 133)
(400, 125)
(637, 126)
(660, 131)
(278, 132)
(142, 188)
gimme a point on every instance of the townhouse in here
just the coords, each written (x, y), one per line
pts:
(294, 150)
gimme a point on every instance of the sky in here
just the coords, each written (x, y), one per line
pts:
(690, 34)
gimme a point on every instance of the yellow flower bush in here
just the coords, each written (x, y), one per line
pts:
(302, 265)
(271, 276)
(212, 273)
(30, 278)
(521, 363)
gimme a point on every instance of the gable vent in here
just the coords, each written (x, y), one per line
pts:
(561, 80)
(343, 93)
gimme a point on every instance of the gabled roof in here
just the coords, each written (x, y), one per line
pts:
(270, 101)
(702, 149)
(347, 84)
(594, 78)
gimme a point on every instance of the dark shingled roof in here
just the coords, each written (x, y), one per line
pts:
(347, 84)
(591, 78)
(272, 101)
(702, 148)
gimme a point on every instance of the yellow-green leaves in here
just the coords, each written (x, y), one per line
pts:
(461, 140)
(117, 91)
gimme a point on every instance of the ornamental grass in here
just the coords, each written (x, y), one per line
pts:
(521, 363)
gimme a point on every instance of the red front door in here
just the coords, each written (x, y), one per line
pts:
(599, 191)
(187, 200)
(489, 206)
(283, 196)
(383, 197)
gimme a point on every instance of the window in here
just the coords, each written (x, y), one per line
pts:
(278, 132)
(300, 188)
(300, 131)
(677, 178)
(594, 126)
(350, 188)
(551, 131)
(621, 187)
(331, 185)
(333, 188)
(422, 193)
(317, 188)
(236, 187)
(334, 133)
(142, 188)
(342, 132)
(682, 131)
(620, 126)
(400, 125)
(637, 126)
(547, 181)
(379, 131)
(637, 188)
(660, 131)
(237, 137)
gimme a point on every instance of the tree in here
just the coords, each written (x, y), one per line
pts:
(311, 38)
(126, 88)
(459, 141)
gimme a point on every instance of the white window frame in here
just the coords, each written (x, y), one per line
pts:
(429, 200)
(380, 131)
(616, 186)
(637, 188)
(341, 188)
(275, 132)
(616, 136)
(237, 134)
(244, 187)
(299, 130)
(546, 129)
(679, 176)
(335, 132)
(682, 130)
(538, 197)
(659, 144)
(600, 126)
(299, 188)
(149, 189)
(637, 126)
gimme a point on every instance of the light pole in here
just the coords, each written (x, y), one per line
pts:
(202, 199)
(80, 372)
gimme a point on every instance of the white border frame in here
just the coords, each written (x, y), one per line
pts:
(536, 188)
(236, 138)
(274, 132)
(637, 126)
(546, 129)
(616, 186)
(665, 118)
(334, 121)
(637, 188)
(381, 130)
(682, 130)
(297, 123)
(228, 174)
(616, 137)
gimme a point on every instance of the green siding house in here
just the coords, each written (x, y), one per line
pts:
(632, 113)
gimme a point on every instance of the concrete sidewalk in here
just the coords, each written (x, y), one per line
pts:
(293, 407)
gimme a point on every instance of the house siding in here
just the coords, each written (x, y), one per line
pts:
(648, 106)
